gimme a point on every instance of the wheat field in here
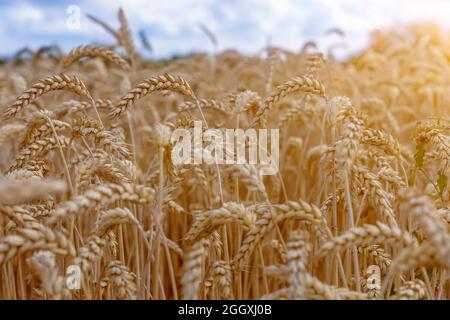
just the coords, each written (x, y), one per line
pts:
(359, 209)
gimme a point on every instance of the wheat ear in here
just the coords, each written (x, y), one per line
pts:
(298, 250)
(268, 219)
(93, 52)
(372, 282)
(423, 210)
(158, 83)
(366, 235)
(412, 290)
(221, 278)
(205, 223)
(121, 280)
(102, 195)
(193, 270)
(52, 83)
(43, 266)
(34, 237)
(297, 84)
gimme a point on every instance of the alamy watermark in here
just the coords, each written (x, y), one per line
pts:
(73, 277)
(73, 21)
(226, 146)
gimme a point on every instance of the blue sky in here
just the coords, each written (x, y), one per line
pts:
(246, 25)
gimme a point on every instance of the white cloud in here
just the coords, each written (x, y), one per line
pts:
(24, 12)
(245, 24)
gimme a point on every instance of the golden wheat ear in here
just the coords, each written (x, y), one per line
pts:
(93, 52)
(43, 86)
(158, 83)
(298, 84)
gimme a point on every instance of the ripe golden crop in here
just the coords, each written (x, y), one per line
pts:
(359, 207)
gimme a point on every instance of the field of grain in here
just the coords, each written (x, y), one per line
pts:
(359, 208)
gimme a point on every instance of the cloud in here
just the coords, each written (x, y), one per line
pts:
(248, 25)
(24, 13)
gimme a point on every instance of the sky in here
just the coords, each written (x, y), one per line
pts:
(172, 26)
